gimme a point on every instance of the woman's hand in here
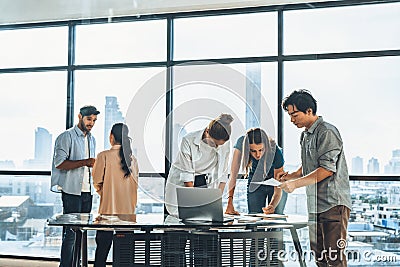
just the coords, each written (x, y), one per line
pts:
(268, 209)
(231, 210)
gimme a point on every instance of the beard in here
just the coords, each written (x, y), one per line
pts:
(83, 126)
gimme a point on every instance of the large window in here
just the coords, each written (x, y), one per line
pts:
(246, 91)
(32, 114)
(245, 35)
(359, 97)
(121, 67)
(34, 47)
(114, 93)
(341, 29)
(121, 42)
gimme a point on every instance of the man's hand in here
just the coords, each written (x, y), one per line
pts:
(282, 176)
(231, 210)
(89, 162)
(269, 209)
(288, 186)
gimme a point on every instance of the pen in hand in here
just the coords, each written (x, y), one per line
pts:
(281, 177)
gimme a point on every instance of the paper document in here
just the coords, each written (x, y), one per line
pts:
(269, 216)
(271, 182)
(245, 219)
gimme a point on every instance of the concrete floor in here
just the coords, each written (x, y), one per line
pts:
(5, 262)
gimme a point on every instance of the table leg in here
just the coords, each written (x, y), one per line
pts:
(297, 246)
(84, 249)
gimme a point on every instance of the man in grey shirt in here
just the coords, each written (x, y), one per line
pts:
(74, 155)
(324, 174)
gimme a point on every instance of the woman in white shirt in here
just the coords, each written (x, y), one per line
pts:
(202, 160)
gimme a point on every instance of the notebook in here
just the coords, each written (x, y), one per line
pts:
(200, 204)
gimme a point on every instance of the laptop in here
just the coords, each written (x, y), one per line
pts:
(200, 204)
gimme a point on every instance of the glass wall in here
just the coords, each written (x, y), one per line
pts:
(142, 41)
(114, 92)
(38, 47)
(31, 118)
(247, 35)
(121, 68)
(354, 95)
(26, 203)
(342, 29)
(246, 91)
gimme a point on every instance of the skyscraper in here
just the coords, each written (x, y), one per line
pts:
(253, 95)
(43, 153)
(357, 165)
(373, 166)
(112, 115)
(393, 167)
(43, 141)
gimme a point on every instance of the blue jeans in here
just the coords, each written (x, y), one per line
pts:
(256, 199)
(71, 243)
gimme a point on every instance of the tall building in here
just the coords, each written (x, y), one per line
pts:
(394, 195)
(112, 115)
(357, 165)
(253, 95)
(43, 141)
(43, 152)
(393, 167)
(373, 166)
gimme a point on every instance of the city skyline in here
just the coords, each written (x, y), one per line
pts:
(43, 149)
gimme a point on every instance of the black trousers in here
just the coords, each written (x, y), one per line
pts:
(71, 243)
(200, 181)
(103, 242)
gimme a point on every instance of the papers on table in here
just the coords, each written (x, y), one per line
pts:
(271, 182)
(247, 219)
(268, 216)
(255, 217)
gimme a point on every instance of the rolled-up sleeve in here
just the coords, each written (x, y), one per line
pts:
(185, 163)
(99, 172)
(329, 149)
(61, 149)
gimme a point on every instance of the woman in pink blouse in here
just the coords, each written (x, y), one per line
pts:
(115, 177)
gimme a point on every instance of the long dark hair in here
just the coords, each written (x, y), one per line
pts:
(220, 128)
(258, 136)
(120, 132)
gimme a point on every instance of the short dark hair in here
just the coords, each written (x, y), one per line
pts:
(88, 110)
(302, 99)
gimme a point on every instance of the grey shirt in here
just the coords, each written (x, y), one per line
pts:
(322, 146)
(70, 145)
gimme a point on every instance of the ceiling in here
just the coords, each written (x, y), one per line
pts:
(27, 11)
